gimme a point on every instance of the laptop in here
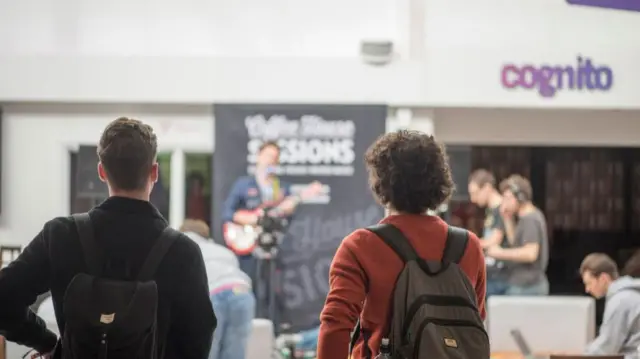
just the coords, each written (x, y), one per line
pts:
(523, 346)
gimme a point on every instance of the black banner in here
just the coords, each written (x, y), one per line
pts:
(318, 142)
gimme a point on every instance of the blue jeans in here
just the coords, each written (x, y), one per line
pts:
(496, 287)
(540, 288)
(234, 309)
(309, 340)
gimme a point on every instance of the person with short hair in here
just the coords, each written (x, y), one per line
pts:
(484, 194)
(231, 295)
(250, 198)
(196, 202)
(409, 175)
(527, 254)
(620, 329)
(126, 227)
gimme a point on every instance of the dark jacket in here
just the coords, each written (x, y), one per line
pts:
(125, 229)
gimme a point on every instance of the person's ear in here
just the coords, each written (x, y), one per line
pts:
(155, 173)
(102, 174)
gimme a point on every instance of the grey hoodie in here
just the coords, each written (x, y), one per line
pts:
(620, 329)
(220, 263)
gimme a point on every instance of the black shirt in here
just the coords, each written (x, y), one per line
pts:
(492, 221)
(125, 229)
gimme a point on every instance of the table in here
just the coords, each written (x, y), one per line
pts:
(517, 355)
(507, 355)
(3, 348)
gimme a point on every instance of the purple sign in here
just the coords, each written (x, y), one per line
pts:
(549, 79)
(630, 5)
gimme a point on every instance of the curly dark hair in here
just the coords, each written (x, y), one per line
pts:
(409, 171)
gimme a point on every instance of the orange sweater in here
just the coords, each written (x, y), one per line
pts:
(363, 260)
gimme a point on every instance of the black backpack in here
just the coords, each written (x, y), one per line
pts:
(112, 319)
(434, 313)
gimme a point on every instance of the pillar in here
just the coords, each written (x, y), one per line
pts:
(177, 190)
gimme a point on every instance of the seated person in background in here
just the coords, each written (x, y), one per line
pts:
(620, 329)
(483, 193)
(409, 175)
(527, 254)
(231, 294)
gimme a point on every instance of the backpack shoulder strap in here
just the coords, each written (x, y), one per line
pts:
(457, 239)
(156, 254)
(92, 255)
(394, 238)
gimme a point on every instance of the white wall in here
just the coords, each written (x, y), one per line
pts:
(526, 24)
(220, 28)
(38, 138)
(203, 51)
(450, 53)
(467, 43)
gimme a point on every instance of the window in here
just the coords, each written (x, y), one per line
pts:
(82, 200)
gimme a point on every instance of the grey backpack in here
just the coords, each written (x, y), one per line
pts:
(434, 312)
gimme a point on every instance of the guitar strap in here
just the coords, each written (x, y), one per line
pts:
(275, 189)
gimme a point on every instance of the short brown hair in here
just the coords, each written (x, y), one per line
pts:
(517, 184)
(196, 226)
(266, 144)
(599, 263)
(409, 170)
(632, 266)
(482, 177)
(127, 151)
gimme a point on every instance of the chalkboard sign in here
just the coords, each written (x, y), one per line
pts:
(88, 184)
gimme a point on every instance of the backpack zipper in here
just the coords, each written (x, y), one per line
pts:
(443, 322)
(437, 300)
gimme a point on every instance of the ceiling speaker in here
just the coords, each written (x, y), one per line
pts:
(376, 52)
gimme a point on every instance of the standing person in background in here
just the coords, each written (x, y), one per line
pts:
(231, 295)
(124, 232)
(245, 206)
(620, 329)
(197, 204)
(528, 253)
(409, 175)
(252, 192)
(484, 194)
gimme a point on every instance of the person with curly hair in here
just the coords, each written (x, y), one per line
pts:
(409, 175)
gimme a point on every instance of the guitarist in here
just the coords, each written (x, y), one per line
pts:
(252, 192)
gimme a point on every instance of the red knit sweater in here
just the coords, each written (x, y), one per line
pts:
(365, 258)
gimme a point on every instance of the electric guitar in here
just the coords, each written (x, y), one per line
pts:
(242, 239)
